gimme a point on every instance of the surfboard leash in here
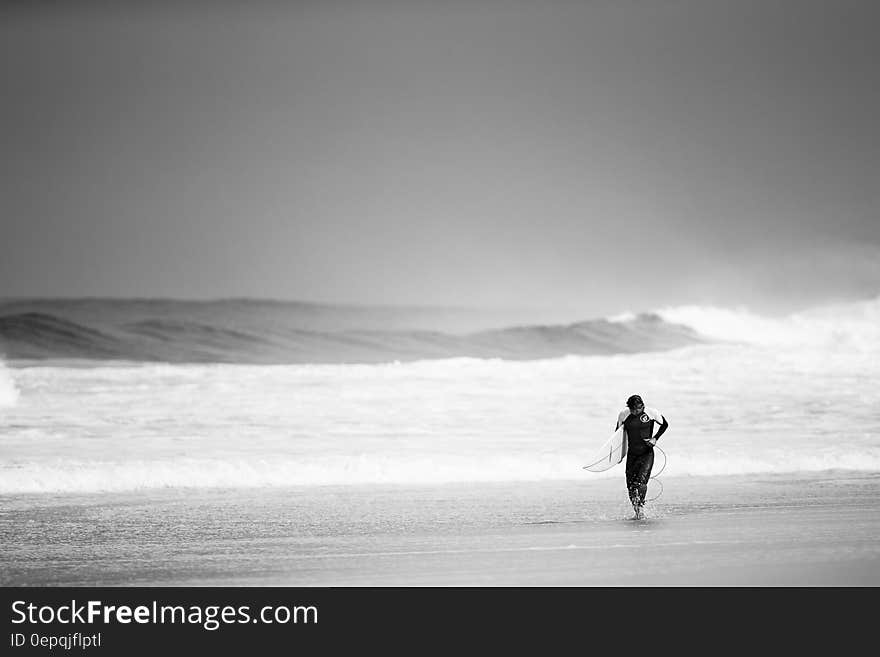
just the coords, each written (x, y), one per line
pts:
(655, 476)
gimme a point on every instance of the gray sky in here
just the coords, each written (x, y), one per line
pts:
(584, 157)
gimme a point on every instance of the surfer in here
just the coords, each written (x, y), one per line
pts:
(639, 423)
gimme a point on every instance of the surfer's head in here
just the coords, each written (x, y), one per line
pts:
(635, 404)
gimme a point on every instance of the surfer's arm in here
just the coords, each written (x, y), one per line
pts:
(662, 429)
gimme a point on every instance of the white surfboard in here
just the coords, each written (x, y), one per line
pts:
(610, 454)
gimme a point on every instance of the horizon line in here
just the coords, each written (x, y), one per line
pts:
(277, 301)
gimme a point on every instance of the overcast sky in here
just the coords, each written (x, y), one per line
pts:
(591, 157)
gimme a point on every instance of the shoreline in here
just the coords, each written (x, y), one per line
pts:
(77, 497)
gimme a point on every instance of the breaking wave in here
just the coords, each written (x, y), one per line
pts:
(854, 325)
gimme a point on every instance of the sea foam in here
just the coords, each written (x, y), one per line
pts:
(853, 325)
(8, 390)
(793, 394)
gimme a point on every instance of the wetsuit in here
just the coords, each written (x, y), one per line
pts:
(640, 453)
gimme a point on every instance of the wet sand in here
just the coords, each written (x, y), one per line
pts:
(766, 530)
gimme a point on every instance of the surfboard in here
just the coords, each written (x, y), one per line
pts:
(610, 454)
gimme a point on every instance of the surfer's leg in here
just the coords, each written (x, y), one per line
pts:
(646, 463)
(633, 479)
(632, 484)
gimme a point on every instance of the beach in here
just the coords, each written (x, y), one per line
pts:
(778, 529)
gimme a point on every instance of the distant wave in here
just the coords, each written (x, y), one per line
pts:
(237, 337)
(36, 335)
(258, 332)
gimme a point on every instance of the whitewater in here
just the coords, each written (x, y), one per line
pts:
(759, 395)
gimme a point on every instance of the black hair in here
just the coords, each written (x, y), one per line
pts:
(634, 401)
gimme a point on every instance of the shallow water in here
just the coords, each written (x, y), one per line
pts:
(813, 529)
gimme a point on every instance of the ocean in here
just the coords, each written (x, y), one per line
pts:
(114, 396)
